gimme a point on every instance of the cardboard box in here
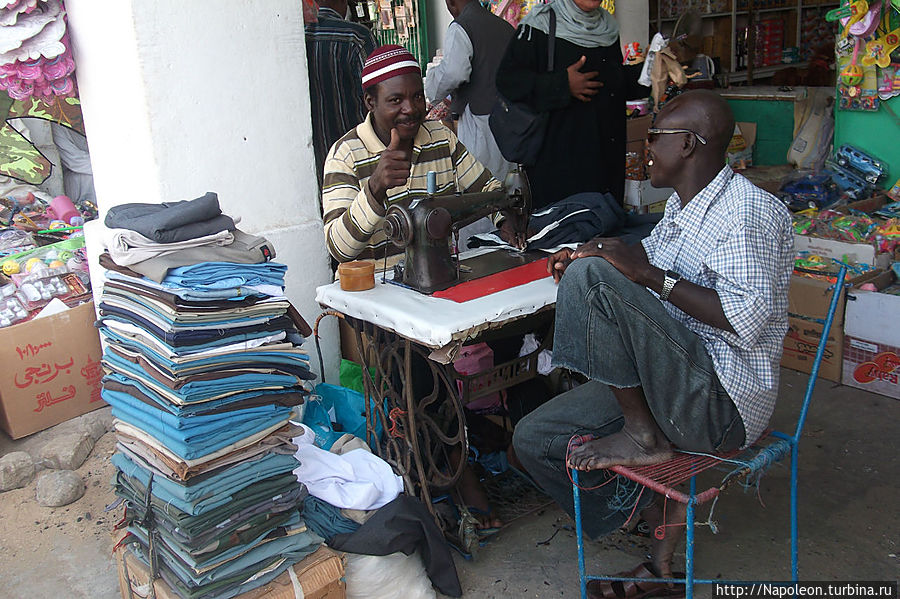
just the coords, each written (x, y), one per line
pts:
(871, 358)
(871, 366)
(635, 142)
(636, 133)
(801, 343)
(860, 253)
(51, 371)
(740, 149)
(809, 299)
(658, 207)
(319, 573)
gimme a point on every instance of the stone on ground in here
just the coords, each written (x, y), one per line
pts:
(66, 452)
(96, 423)
(16, 470)
(59, 487)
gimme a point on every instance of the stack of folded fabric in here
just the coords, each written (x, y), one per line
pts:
(204, 370)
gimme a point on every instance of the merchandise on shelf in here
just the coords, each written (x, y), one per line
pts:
(38, 275)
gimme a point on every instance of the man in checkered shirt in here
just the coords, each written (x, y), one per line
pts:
(680, 336)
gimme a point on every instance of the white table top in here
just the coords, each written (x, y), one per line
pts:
(432, 321)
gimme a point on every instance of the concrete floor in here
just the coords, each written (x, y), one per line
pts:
(849, 524)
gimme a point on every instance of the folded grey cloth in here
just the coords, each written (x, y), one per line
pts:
(129, 247)
(171, 221)
(245, 249)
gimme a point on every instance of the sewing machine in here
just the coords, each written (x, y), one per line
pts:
(424, 225)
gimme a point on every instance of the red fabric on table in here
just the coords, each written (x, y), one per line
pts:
(496, 282)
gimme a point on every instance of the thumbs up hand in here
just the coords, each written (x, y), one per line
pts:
(392, 170)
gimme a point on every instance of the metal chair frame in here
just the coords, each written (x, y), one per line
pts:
(643, 475)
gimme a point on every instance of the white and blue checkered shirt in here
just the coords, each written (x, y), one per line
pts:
(737, 239)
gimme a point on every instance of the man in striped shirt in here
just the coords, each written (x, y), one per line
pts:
(335, 52)
(387, 157)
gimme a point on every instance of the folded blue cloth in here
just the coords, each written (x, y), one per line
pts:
(211, 490)
(187, 293)
(325, 519)
(206, 360)
(191, 410)
(202, 390)
(199, 435)
(225, 275)
(292, 548)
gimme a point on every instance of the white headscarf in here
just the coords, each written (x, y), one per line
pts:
(585, 29)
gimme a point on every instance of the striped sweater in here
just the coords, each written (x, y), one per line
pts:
(353, 218)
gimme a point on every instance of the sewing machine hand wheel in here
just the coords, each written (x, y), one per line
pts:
(398, 227)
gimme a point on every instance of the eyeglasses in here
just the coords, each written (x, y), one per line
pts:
(654, 131)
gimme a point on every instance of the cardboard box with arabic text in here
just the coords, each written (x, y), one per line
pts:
(51, 371)
(872, 339)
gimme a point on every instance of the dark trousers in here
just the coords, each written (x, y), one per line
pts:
(617, 333)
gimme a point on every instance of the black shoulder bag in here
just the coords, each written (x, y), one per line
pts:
(519, 130)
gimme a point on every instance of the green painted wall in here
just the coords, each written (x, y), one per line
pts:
(877, 133)
(774, 128)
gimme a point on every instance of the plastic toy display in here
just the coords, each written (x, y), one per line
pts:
(40, 274)
(808, 189)
(878, 50)
(865, 165)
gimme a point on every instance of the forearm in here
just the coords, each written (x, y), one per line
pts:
(699, 302)
(443, 79)
(350, 222)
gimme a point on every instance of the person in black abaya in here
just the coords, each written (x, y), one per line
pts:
(584, 147)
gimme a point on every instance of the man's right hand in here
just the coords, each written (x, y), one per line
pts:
(392, 170)
(582, 85)
(557, 263)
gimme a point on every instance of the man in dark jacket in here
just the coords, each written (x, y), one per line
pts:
(473, 47)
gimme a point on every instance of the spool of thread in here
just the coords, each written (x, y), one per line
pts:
(64, 210)
(431, 182)
(357, 275)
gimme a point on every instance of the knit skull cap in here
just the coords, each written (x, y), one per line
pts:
(387, 62)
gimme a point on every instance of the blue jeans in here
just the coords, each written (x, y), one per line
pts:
(618, 334)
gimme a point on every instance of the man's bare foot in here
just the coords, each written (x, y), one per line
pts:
(473, 496)
(621, 449)
(476, 500)
(659, 513)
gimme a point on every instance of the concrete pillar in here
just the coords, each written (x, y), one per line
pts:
(181, 98)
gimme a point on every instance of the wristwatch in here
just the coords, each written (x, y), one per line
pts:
(672, 277)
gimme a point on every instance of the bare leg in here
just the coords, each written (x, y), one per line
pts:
(473, 496)
(656, 514)
(639, 443)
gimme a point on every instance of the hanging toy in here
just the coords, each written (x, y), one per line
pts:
(858, 10)
(852, 75)
(878, 51)
(867, 25)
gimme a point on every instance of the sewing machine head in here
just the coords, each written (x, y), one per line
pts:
(424, 226)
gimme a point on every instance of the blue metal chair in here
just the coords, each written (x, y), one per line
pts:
(663, 478)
